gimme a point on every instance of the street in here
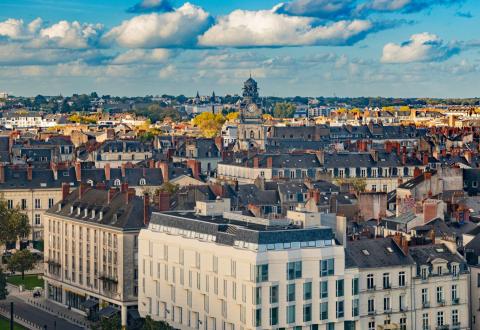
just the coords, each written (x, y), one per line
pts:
(36, 315)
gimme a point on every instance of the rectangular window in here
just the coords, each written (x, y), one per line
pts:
(440, 321)
(340, 309)
(291, 292)
(371, 306)
(386, 280)
(10, 204)
(261, 273)
(327, 267)
(424, 297)
(403, 323)
(323, 289)
(24, 204)
(291, 314)
(258, 296)
(401, 279)
(50, 202)
(274, 316)
(386, 304)
(37, 203)
(455, 318)
(258, 317)
(37, 220)
(371, 325)
(355, 307)
(307, 313)
(339, 287)
(294, 270)
(454, 293)
(425, 321)
(439, 294)
(274, 294)
(323, 310)
(370, 282)
(307, 291)
(355, 288)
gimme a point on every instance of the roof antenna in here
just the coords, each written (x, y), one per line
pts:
(250, 73)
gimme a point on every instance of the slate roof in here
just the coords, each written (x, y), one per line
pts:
(377, 254)
(117, 213)
(41, 178)
(227, 231)
(424, 254)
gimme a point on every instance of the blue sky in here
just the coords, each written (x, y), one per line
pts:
(398, 48)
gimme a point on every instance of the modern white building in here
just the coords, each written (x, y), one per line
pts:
(214, 269)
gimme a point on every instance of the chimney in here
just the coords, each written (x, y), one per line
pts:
(388, 146)
(54, 168)
(29, 173)
(417, 172)
(124, 187)
(107, 172)
(65, 190)
(164, 168)
(81, 190)
(78, 171)
(269, 162)
(255, 162)
(146, 209)
(111, 194)
(316, 195)
(163, 201)
(404, 158)
(2, 173)
(123, 166)
(130, 194)
(219, 143)
(194, 165)
(151, 163)
(425, 158)
(468, 156)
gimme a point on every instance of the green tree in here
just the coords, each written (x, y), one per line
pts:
(22, 261)
(3, 285)
(13, 223)
(169, 187)
(110, 323)
(151, 324)
(284, 110)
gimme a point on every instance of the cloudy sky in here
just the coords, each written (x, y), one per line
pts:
(399, 48)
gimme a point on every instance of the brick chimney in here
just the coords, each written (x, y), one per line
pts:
(78, 171)
(107, 172)
(29, 173)
(255, 162)
(269, 162)
(315, 194)
(219, 143)
(388, 146)
(164, 168)
(65, 190)
(425, 158)
(81, 190)
(194, 165)
(321, 156)
(163, 201)
(146, 209)
(123, 170)
(468, 156)
(124, 187)
(2, 173)
(417, 172)
(111, 194)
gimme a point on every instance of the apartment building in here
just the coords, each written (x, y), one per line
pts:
(91, 242)
(214, 269)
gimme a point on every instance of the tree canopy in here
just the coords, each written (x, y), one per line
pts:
(284, 110)
(209, 124)
(21, 261)
(13, 222)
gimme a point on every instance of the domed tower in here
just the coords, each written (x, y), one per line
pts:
(251, 132)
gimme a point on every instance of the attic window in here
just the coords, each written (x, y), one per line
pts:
(365, 252)
(143, 182)
(439, 250)
(389, 249)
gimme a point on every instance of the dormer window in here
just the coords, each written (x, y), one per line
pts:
(117, 183)
(90, 183)
(423, 273)
(143, 182)
(454, 269)
(439, 270)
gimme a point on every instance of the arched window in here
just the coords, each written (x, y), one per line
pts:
(143, 182)
(117, 183)
(252, 135)
(90, 182)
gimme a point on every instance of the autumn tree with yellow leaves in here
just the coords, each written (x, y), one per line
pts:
(209, 124)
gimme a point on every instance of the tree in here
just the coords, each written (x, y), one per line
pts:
(209, 124)
(284, 110)
(3, 285)
(13, 223)
(22, 261)
(169, 187)
(232, 116)
(151, 324)
(110, 323)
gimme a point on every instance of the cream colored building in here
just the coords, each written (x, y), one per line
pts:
(91, 241)
(212, 269)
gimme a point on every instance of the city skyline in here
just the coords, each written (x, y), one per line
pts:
(401, 48)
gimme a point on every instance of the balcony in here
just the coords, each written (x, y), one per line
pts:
(371, 312)
(456, 326)
(371, 288)
(403, 309)
(456, 301)
(426, 304)
(441, 302)
(443, 327)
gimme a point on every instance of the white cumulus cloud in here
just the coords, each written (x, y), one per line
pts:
(13, 29)
(178, 28)
(422, 47)
(72, 34)
(264, 28)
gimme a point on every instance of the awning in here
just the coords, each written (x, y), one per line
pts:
(108, 312)
(90, 303)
